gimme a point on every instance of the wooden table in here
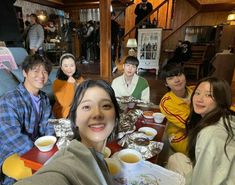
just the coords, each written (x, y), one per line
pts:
(35, 159)
(143, 122)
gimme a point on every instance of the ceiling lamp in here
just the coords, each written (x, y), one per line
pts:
(231, 18)
(42, 15)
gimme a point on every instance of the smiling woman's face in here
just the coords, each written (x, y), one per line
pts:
(203, 101)
(68, 66)
(95, 117)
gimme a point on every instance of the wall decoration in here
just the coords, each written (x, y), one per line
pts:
(149, 46)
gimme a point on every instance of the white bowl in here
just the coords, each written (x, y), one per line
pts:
(129, 157)
(45, 143)
(158, 117)
(149, 132)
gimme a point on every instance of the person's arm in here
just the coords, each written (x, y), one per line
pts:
(12, 140)
(150, 7)
(45, 127)
(63, 92)
(137, 9)
(145, 95)
(115, 87)
(40, 33)
(174, 114)
(89, 31)
(210, 167)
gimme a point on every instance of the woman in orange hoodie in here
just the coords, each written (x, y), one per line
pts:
(68, 78)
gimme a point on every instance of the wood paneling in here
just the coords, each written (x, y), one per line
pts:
(215, 1)
(184, 10)
(130, 15)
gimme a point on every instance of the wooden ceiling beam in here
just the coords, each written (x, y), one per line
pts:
(195, 4)
(218, 7)
(212, 7)
(95, 4)
(51, 3)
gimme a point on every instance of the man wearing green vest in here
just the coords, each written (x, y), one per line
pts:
(130, 84)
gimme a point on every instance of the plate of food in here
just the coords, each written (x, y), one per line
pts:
(148, 114)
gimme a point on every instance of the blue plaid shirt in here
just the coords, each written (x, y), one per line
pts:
(18, 120)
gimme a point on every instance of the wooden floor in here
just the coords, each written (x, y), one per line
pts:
(157, 87)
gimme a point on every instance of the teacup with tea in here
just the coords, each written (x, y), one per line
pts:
(113, 166)
(129, 157)
(158, 117)
(45, 143)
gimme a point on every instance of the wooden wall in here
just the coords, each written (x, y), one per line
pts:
(130, 15)
(184, 11)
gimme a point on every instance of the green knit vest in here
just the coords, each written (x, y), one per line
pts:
(140, 86)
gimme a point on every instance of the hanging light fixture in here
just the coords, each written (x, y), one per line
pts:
(42, 15)
(231, 18)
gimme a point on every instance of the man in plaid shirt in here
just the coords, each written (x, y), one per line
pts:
(24, 114)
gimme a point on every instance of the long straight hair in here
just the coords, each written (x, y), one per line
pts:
(195, 122)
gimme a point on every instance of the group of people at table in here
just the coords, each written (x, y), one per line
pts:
(200, 128)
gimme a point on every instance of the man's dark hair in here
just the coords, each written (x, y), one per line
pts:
(132, 60)
(35, 60)
(171, 69)
(35, 17)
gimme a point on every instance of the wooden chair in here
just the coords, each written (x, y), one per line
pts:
(201, 54)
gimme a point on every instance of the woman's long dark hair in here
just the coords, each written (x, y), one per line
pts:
(60, 74)
(79, 94)
(195, 123)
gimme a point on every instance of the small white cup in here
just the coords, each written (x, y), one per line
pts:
(45, 143)
(158, 117)
(106, 152)
(113, 165)
(131, 105)
(129, 157)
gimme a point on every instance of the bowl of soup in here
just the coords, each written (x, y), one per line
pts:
(149, 132)
(45, 143)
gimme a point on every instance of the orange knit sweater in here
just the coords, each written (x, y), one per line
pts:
(64, 93)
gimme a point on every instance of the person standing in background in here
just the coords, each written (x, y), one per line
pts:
(114, 40)
(35, 36)
(8, 21)
(142, 10)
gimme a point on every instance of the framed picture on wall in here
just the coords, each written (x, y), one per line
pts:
(149, 46)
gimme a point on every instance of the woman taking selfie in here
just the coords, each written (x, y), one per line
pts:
(68, 78)
(211, 131)
(94, 116)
